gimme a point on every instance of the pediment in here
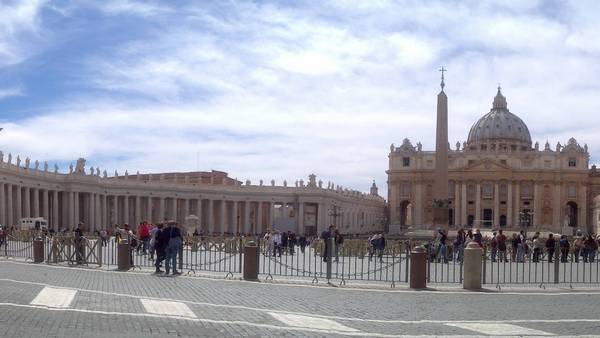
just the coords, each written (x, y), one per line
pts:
(487, 164)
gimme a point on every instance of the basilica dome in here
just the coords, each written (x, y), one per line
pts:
(499, 129)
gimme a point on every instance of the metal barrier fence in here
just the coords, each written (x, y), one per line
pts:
(352, 261)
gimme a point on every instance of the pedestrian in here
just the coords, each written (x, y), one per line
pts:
(325, 236)
(79, 242)
(143, 233)
(104, 237)
(501, 239)
(521, 247)
(174, 244)
(577, 248)
(564, 248)
(276, 243)
(494, 247)
(458, 245)
(339, 241)
(268, 243)
(284, 242)
(302, 242)
(538, 246)
(550, 243)
(441, 253)
(291, 242)
(381, 247)
(160, 246)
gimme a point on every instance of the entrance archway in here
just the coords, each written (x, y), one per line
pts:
(571, 214)
(405, 213)
(470, 220)
(487, 218)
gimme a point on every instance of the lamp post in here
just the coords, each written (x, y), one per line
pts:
(335, 211)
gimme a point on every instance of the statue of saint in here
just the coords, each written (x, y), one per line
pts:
(272, 183)
(420, 146)
(97, 171)
(392, 148)
(55, 168)
(457, 146)
(558, 146)
(45, 166)
(18, 161)
(1, 157)
(105, 174)
(91, 171)
(36, 164)
(70, 168)
(9, 158)
(27, 160)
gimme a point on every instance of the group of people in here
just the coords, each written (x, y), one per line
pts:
(518, 246)
(284, 242)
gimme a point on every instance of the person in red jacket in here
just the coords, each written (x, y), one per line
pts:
(143, 233)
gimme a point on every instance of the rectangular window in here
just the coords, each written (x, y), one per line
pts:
(572, 162)
(488, 191)
(406, 161)
(572, 190)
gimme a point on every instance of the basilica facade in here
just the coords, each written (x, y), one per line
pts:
(498, 178)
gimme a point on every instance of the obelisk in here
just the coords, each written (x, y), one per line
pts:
(440, 191)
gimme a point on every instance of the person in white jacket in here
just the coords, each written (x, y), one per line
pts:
(276, 242)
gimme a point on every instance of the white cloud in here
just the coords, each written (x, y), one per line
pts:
(10, 92)
(19, 23)
(267, 91)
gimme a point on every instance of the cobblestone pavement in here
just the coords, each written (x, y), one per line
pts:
(51, 301)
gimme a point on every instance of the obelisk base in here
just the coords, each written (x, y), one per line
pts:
(441, 216)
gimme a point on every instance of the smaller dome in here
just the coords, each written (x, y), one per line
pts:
(499, 126)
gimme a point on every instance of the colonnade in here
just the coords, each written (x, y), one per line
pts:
(469, 204)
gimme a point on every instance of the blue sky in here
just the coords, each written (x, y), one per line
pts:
(281, 89)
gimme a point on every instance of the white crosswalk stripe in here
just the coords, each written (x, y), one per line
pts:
(311, 322)
(163, 307)
(499, 329)
(54, 297)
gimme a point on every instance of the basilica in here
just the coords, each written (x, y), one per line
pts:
(498, 178)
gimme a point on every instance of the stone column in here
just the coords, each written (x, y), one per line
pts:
(174, 208)
(36, 203)
(259, 218)
(3, 220)
(199, 212)
(105, 221)
(186, 209)
(210, 220)
(115, 209)
(55, 209)
(236, 223)
(419, 210)
(149, 209)
(440, 186)
(322, 218)
(222, 216)
(582, 217)
(138, 209)
(457, 205)
(9, 205)
(517, 215)
(75, 208)
(463, 203)
(126, 218)
(509, 204)
(247, 221)
(478, 223)
(537, 204)
(161, 209)
(496, 205)
(27, 200)
(271, 215)
(300, 214)
(556, 208)
(45, 206)
(19, 213)
(92, 211)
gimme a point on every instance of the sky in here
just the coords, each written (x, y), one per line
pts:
(282, 89)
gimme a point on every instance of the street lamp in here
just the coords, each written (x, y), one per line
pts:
(335, 211)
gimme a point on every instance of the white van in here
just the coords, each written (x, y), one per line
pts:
(38, 223)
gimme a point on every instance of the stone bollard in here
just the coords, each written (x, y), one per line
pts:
(472, 267)
(38, 250)
(123, 259)
(418, 268)
(251, 261)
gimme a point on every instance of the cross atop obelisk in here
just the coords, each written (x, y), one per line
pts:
(442, 70)
(440, 192)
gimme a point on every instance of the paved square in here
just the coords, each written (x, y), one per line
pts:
(55, 298)
(162, 307)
